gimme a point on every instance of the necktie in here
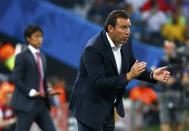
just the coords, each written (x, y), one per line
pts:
(39, 65)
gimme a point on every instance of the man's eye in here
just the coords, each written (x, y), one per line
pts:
(124, 28)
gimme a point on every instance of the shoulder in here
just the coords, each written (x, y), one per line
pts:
(94, 40)
(43, 55)
(22, 54)
(97, 42)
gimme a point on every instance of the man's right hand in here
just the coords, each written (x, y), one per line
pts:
(38, 94)
(136, 70)
(34, 93)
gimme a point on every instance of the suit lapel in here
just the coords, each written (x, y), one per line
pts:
(124, 54)
(32, 59)
(43, 63)
(109, 50)
(112, 58)
(124, 59)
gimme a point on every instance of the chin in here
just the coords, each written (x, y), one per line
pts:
(124, 42)
(39, 46)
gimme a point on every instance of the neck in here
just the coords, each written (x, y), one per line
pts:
(37, 48)
(113, 40)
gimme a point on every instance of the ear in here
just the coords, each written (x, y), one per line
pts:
(110, 28)
(27, 39)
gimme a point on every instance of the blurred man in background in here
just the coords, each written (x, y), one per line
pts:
(170, 98)
(30, 98)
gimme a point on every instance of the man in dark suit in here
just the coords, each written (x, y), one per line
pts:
(30, 98)
(106, 66)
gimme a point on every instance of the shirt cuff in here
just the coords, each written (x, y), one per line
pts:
(32, 92)
(151, 75)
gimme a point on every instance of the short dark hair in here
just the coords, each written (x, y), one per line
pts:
(30, 30)
(112, 17)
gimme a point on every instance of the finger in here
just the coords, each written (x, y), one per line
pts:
(165, 81)
(136, 62)
(138, 65)
(139, 72)
(168, 73)
(141, 66)
(142, 62)
(35, 95)
(167, 77)
(162, 68)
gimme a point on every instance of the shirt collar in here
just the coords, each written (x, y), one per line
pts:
(33, 50)
(111, 42)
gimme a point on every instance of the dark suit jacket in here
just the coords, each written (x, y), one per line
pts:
(98, 82)
(26, 77)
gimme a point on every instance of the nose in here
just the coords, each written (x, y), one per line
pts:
(127, 31)
(40, 39)
(127, 34)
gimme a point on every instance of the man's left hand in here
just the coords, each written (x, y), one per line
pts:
(52, 93)
(161, 74)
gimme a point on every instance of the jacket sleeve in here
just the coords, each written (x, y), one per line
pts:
(94, 64)
(146, 76)
(18, 74)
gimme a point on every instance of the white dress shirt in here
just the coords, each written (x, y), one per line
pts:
(117, 53)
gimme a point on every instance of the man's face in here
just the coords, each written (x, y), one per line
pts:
(35, 39)
(121, 31)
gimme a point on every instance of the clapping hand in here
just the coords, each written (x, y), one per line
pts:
(136, 70)
(161, 74)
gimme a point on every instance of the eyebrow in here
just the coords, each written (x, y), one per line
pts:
(125, 26)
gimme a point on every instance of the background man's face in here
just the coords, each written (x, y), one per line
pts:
(36, 39)
(169, 48)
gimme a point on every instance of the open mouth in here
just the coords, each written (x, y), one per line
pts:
(126, 38)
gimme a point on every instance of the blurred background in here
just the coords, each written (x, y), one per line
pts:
(160, 36)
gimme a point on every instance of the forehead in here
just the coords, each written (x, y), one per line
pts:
(37, 33)
(123, 21)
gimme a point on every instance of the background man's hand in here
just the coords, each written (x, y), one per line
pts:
(52, 93)
(38, 94)
(136, 70)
